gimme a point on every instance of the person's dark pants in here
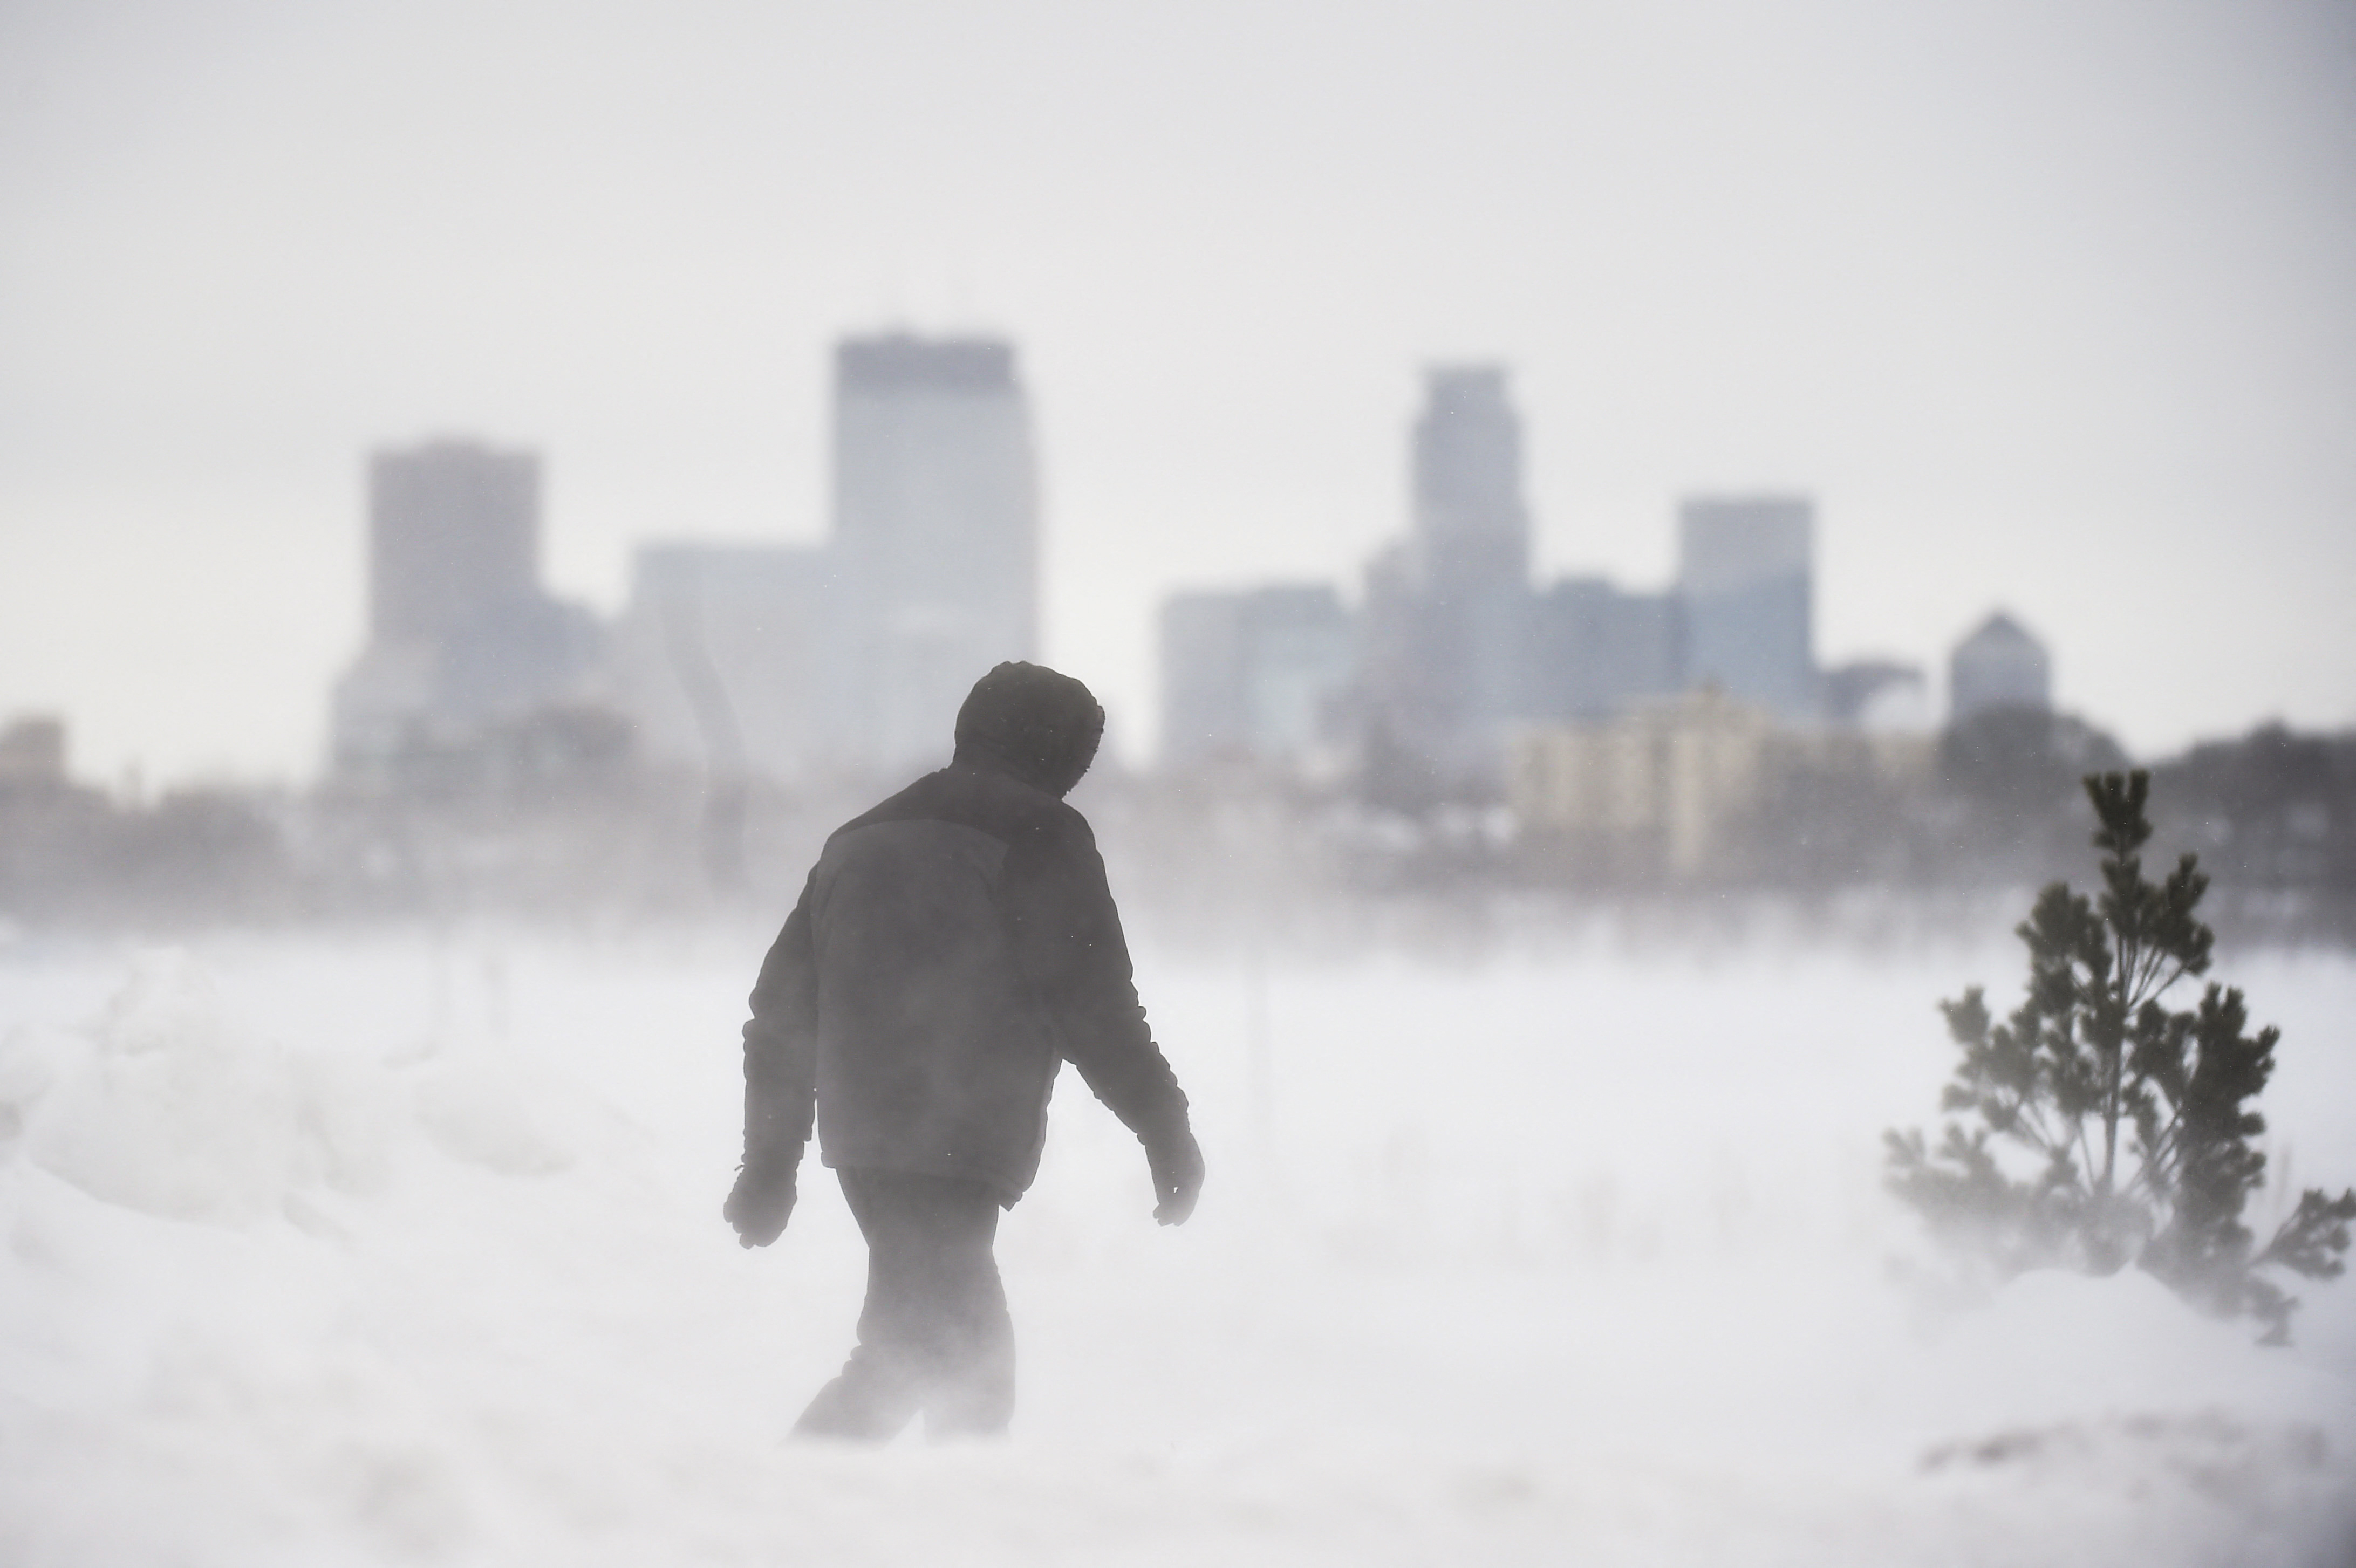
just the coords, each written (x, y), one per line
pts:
(934, 1335)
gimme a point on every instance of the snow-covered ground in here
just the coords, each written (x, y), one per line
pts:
(409, 1249)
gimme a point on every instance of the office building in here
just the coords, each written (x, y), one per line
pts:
(724, 659)
(1256, 677)
(936, 537)
(453, 538)
(1655, 789)
(1471, 524)
(1745, 569)
(1447, 609)
(1673, 788)
(460, 631)
(2000, 664)
(1592, 650)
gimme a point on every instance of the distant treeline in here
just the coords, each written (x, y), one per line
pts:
(557, 816)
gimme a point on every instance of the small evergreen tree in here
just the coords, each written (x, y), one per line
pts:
(2135, 1119)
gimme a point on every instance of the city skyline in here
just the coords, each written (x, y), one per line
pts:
(1458, 661)
(2044, 304)
(785, 664)
(1424, 519)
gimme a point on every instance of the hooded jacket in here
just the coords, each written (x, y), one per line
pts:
(952, 948)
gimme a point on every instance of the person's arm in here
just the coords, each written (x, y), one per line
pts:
(1076, 962)
(780, 1082)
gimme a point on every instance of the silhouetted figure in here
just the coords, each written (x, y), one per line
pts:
(952, 949)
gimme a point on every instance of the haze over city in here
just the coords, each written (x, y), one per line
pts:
(2047, 307)
(1653, 695)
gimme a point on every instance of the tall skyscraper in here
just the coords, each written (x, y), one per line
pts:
(1471, 524)
(1472, 544)
(1447, 612)
(454, 536)
(460, 631)
(1745, 570)
(935, 535)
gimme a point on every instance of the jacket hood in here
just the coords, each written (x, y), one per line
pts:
(1037, 723)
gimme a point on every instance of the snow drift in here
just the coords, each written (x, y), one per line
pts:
(410, 1252)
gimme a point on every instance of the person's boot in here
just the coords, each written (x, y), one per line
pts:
(869, 1402)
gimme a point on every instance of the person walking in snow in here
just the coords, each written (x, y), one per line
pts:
(952, 949)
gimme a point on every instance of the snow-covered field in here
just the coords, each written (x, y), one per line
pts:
(409, 1249)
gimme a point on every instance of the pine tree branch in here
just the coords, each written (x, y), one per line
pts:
(2314, 1241)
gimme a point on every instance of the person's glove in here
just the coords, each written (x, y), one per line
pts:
(760, 1203)
(1176, 1161)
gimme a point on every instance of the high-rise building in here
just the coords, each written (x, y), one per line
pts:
(2000, 664)
(935, 536)
(1446, 612)
(454, 536)
(1745, 570)
(1470, 523)
(1593, 650)
(1471, 548)
(1258, 676)
(460, 631)
(725, 658)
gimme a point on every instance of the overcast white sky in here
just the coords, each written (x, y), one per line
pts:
(2050, 302)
